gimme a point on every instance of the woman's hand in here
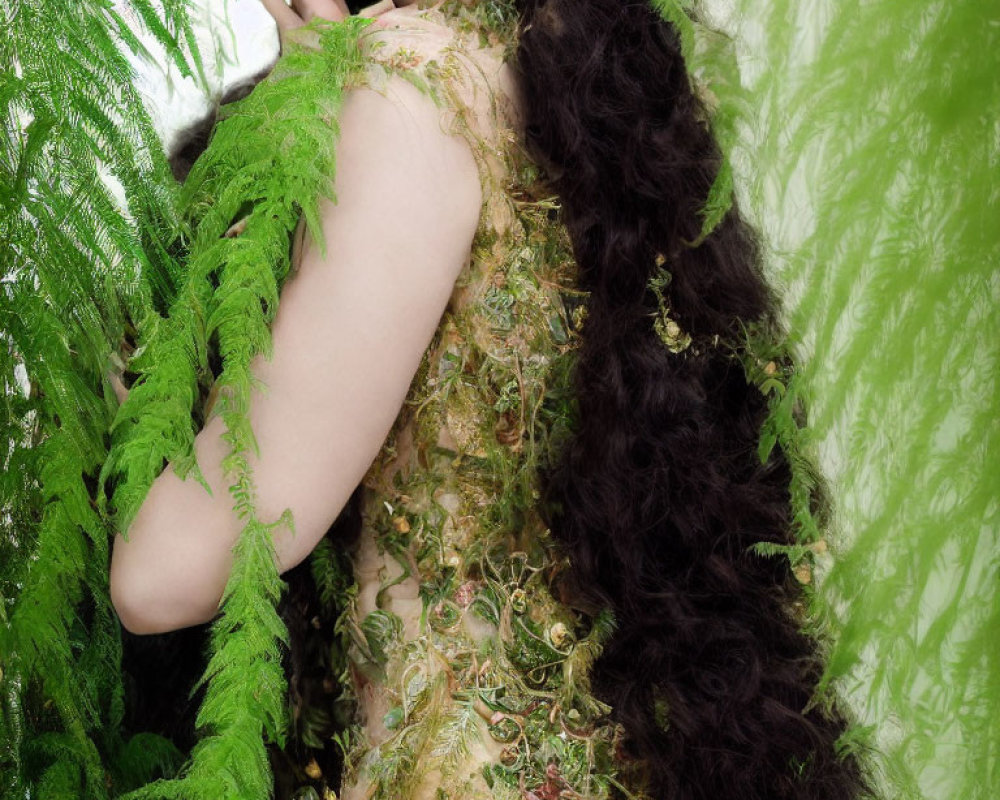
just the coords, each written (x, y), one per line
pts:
(302, 11)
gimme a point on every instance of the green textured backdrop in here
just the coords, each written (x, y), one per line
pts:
(865, 140)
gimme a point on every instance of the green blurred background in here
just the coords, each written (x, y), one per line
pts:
(865, 139)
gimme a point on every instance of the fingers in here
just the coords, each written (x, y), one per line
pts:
(377, 8)
(283, 15)
(335, 10)
(117, 386)
(301, 11)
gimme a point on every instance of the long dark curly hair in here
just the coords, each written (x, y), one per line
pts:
(660, 494)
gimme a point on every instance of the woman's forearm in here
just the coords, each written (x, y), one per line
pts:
(348, 337)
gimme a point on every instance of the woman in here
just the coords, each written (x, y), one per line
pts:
(659, 494)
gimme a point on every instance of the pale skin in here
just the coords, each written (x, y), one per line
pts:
(349, 334)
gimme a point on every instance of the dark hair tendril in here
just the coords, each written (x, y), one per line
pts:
(659, 495)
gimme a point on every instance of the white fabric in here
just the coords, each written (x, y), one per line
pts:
(237, 40)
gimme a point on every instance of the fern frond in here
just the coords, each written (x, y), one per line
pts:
(71, 127)
(460, 729)
(245, 698)
(141, 759)
(251, 164)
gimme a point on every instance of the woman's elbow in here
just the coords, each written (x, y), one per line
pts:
(148, 601)
(132, 609)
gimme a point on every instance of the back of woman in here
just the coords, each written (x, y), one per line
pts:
(503, 521)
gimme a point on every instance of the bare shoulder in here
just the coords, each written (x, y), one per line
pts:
(469, 79)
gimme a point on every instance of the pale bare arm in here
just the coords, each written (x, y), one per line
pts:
(349, 334)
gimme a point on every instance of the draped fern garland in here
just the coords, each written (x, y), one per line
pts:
(273, 153)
